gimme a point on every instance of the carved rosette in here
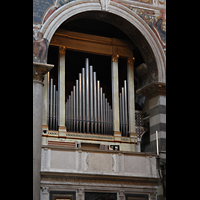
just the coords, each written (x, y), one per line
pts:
(62, 49)
(39, 70)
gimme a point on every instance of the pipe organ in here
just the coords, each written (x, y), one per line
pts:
(87, 108)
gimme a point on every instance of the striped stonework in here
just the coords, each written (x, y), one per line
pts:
(157, 122)
(156, 93)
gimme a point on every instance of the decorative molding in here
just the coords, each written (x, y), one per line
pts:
(79, 160)
(90, 136)
(39, 70)
(100, 180)
(153, 89)
(92, 43)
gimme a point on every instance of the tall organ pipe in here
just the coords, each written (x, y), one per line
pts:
(54, 107)
(51, 106)
(76, 106)
(69, 114)
(48, 78)
(57, 110)
(87, 95)
(83, 98)
(80, 102)
(123, 114)
(91, 100)
(101, 109)
(125, 108)
(95, 103)
(98, 107)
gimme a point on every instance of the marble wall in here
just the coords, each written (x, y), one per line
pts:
(98, 162)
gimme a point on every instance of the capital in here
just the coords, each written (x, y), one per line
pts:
(131, 60)
(62, 49)
(115, 58)
(39, 70)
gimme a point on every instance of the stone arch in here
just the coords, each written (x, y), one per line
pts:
(126, 20)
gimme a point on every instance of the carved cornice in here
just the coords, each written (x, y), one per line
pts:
(153, 89)
(39, 70)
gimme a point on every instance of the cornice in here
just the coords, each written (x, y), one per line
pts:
(153, 89)
(39, 70)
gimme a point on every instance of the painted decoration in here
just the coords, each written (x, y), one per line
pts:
(157, 23)
(43, 9)
(40, 46)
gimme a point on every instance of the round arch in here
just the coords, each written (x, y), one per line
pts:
(126, 20)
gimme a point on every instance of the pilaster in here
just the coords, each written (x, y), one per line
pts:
(61, 88)
(115, 97)
(131, 99)
(80, 194)
(44, 193)
(121, 195)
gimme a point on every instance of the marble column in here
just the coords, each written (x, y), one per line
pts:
(131, 98)
(39, 70)
(45, 104)
(61, 90)
(115, 97)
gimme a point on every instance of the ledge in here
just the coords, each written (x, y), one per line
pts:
(97, 179)
(100, 151)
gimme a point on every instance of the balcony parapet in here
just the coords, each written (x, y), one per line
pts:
(98, 162)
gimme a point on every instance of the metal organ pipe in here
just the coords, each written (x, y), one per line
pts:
(125, 108)
(80, 102)
(95, 102)
(87, 95)
(76, 105)
(98, 107)
(54, 107)
(83, 97)
(91, 100)
(51, 106)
